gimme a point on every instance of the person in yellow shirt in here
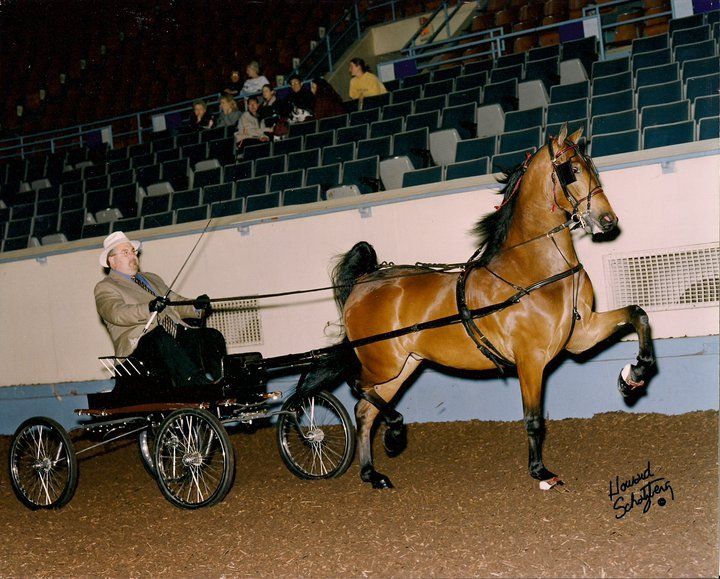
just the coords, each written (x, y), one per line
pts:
(363, 82)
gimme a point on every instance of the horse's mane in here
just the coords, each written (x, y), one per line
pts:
(491, 231)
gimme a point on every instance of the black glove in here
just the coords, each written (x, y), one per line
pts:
(158, 304)
(202, 302)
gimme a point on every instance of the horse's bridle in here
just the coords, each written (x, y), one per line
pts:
(564, 175)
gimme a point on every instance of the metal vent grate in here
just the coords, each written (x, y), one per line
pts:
(674, 279)
(238, 321)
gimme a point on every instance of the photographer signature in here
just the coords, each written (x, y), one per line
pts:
(645, 488)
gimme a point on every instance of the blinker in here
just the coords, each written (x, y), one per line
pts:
(565, 173)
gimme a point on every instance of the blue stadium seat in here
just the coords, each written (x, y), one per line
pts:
(615, 143)
(270, 165)
(212, 134)
(187, 198)
(461, 97)
(433, 103)
(72, 202)
(236, 171)
(338, 153)
(43, 225)
(504, 94)
(686, 22)
(656, 94)
(380, 146)
(404, 95)
(188, 214)
(416, 80)
(475, 148)
(326, 176)
(669, 134)
(508, 161)
(614, 122)
(231, 207)
(543, 52)
(428, 120)
(195, 153)
(254, 186)
(187, 139)
(517, 120)
(510, 60)
(364, 117)
(15, 243)
(613, 83)
(438, 88)
(290, 145)
(363, 173)
(608, 67)
(472, 168)
(377, 101)
(148, 175)
(139, 161)
(461, 118)
(709, 128)
(127, 224)
(95, 230)
(523, 139)
(570, 92)
(207, 177)
(71, 223)
(664, 114)
(124, 198)
(320, 140)
(98, 200)
(158, 220)
(301, 195)
(214, 193)
(690, 35)
(651, 58)
(699, 67)
(700, 86)
(657, 74)
(263, 201)
(507, 73)
(304, 159)
(351, 134)
(302, 129)
(445, 73)
(163, 144)
(414, 145)
(155, 204)
(396, 110)
(694, 51)
(612, 103)
(287, 180)
(387, 127)
(333, 123)
(566, 111)
(257, 151)
(479, 66)
(468, 81)
(706, 106)
(422, 176)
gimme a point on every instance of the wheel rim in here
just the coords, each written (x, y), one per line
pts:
(191, 460)
(40, 465)
(317, 442)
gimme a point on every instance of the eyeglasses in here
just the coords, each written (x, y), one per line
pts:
(125, 253)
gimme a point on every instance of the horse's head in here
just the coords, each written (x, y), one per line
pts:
(576, 186)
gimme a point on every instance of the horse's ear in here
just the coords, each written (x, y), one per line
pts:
(562, 135)
(575, 137)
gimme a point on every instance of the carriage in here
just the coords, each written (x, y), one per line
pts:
(182, 439)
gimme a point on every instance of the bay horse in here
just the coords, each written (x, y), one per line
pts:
(521, 300)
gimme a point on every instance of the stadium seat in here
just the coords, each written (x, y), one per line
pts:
(51, 239)
(301, 195)
(700, 86)
(263, 201)
(438, 88)
(614, 122)
(195, 153)
(520, 140)
(668, 134)
(351, 134)
(387, 127)
(615, 143)
(657, 74)
(270, 165)
(610, 67)
(430, 104)
(463, 169)
(365, 116)
(380, 147)
(462, 118)
(699, 67)
(304, 159)
(656, 94)
(338, 153)
(127, 224)
(320, 140)
(392, 171)
(158, 220)
(222, 149)
(572, 71)
(326, 176)
(547, 71)
(302, 129)
(504, 94)
(96, 230)
(445, 73)
(664, 113)
(690, 35)
(507, 161)
(187, 198)
(532, 94)
(189, 214)
(413, 144)
(461, 97)
(650, 43)
(490, 120)
(612, 103)
(522, 119)
(149, 175)
(416, 80)
(332, 123)
(363, 173)
(230, 207)
(286, 146)
(254, 186)
(237, 171)
(257, 151)
(124, 177)
(709, 128)
(501, 74)
(686, 52)
(611, 84)
(468, 81)
(422, 177)
(213, 193)
(652, 58)
(428, 120)
(98, 200)
(287, 180)
(706, 106)
(155, 204)
(403, 95)
(442, 146)
(566, 111)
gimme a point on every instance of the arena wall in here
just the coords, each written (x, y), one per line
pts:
(667, 203)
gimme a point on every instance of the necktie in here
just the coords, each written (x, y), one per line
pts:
(165, 322)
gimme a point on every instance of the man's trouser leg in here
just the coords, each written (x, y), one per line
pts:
(205, 347)
(161, 350)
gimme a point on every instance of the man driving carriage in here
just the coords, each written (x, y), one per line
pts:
(134, 307)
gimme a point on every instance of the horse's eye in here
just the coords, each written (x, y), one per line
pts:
(576, 168)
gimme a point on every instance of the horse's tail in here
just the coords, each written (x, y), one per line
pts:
(341, 364)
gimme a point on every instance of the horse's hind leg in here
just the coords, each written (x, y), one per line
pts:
(595, 327)
(375, 400)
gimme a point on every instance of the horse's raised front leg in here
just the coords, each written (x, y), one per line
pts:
(594, 327)
(530, 373)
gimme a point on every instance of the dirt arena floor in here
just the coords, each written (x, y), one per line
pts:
(463, 506)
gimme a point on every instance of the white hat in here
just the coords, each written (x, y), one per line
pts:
(112, 241)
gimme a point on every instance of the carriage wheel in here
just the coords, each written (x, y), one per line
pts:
(194, 459)
(318, 441)
(43, 466)
(146, 446)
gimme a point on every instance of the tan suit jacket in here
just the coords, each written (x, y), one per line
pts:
(123, 306)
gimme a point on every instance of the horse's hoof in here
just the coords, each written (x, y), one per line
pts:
(626, 384)
(395, 441)
(382, 482)
(555, 481)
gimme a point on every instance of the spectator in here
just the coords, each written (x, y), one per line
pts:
(363, 82)
(327, 102)
(229, 114)
(200, 118)
(251, 129)
(298, 100)
(269, 106)
(233, 87)
(255, 81)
